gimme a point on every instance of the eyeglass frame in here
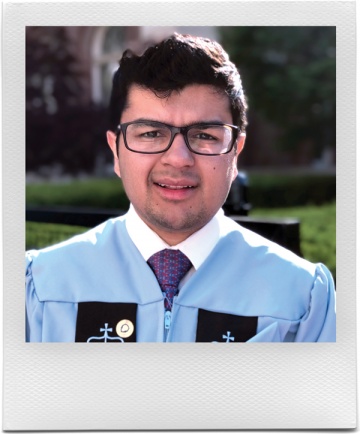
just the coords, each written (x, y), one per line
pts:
(121, 128)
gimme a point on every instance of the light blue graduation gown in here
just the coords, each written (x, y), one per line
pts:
(245, 276)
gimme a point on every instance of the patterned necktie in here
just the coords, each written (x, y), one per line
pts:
(169, 267)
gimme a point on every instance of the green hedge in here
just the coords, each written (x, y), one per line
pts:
(97, 193)
(265, 191)
(269, 191)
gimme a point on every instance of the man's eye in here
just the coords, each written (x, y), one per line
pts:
(146, 134)
(151, 134)
(205, 136)
(202, 136)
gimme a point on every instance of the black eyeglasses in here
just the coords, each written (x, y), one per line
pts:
(150, 137)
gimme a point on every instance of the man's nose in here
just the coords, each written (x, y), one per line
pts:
(178, 154)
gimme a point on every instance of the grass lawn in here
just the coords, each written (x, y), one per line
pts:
(40, 235)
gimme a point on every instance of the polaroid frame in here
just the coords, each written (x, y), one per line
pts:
(268, 386)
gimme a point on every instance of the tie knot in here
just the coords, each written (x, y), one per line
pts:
(169, 267)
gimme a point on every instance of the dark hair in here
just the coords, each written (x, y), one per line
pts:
(174, 63)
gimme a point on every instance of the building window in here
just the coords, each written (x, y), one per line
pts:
(107, 49)
(110, 42)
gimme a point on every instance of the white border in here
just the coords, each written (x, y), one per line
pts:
(259, 386)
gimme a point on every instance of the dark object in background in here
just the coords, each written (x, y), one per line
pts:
(237, 200)
(283, 231)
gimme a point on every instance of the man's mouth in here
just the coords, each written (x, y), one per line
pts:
(174, 187)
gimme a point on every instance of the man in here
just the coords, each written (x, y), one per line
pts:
(174, 268)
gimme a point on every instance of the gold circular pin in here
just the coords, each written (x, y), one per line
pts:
(124, 328)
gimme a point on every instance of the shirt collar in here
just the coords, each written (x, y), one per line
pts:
(197, 247)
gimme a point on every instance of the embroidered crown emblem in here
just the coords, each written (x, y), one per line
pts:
(105, 337)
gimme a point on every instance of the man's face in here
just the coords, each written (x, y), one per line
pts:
(176, 192)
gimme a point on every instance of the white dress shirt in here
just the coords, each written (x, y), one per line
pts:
(197, 247)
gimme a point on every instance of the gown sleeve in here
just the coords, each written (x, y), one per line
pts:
(34, 307)
(319, 322)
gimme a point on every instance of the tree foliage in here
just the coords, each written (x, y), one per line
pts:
(53, 81)
(61, 132)
(289, 76)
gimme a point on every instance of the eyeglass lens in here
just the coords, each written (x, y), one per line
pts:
(204, 139)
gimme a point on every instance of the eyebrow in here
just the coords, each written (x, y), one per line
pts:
(199, 122)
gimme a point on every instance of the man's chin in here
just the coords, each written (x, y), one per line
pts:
(176, 225)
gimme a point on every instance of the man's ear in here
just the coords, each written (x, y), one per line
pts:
(111, 139)
(240, 143)
(239, 147)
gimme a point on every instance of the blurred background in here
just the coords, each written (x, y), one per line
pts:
(289, 160)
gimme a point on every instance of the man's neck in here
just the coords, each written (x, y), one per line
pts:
(196, 246)
(170, 236)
